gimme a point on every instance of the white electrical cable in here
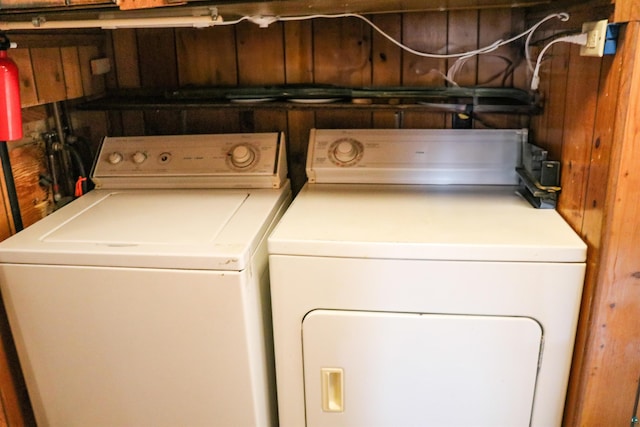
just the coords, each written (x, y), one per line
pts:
(490, 48)
(580, 39)
(264, 21)
(564, 17)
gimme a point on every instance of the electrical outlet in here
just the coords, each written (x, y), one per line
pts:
(596, 34)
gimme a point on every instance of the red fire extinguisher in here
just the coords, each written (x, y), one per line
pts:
(10, 112)
(10, 123)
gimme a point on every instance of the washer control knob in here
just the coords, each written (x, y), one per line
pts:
(242, 156)
(346, 152)
(115, 158)
(139, 157)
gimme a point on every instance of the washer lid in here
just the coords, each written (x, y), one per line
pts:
(479, 223)
(195, 229)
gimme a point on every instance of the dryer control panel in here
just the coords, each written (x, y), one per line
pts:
(415, 156)
(253, 160)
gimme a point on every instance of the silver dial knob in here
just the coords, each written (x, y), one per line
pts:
(139, 157)
(115, 158)
(242, 156)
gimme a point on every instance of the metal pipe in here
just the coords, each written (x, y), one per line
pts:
(58, 120)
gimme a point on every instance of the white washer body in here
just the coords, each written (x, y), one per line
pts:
(145, 302)
(421, 304)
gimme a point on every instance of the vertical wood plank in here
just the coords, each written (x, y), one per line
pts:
(157, 56)
(463, 37)
(111, 78)
(386, 62)
(495, 69)
(298, 42)
(158, 70)
(72, 75)
(424, 32)
(127, 71)
(298, 45)
(260, 54)
(343, 119)
(126, 63)
(608, 375)
(386, 56)
(28, 94)
(342, 49)
(577, 136)
(300, 122)
(49, 81)
(521, 75)
(211, 121)
(93, 85)
(594, 215)
(207, 56)
(627, 10)
(270, 120)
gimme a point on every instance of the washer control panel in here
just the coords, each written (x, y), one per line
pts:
(415, 156)
(213, 158)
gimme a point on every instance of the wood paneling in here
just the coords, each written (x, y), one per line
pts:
(607, 367)
(50, 81)
(260, 54)
(92, 85)
(207, 57)
(28, 94)
(72, 74)
(298, 52)
(626, 10)
(577, 135)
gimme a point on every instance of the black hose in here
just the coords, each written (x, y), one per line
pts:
(11, 186)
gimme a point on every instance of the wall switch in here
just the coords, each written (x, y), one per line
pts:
(596, 34)
(100, 66)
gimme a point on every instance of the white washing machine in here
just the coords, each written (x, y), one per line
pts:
(146, 301)
(412, 286)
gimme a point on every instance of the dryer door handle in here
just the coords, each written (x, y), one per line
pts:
(332, 389)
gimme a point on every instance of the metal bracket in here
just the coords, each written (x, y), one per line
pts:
(540, 178)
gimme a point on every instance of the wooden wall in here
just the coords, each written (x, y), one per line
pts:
(344, 52)
(591, 121)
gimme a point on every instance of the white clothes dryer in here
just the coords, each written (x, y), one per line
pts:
(412, 286)
(146, 301)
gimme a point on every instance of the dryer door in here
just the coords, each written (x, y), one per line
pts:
(402, 369)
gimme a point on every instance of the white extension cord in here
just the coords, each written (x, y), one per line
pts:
(579, 39)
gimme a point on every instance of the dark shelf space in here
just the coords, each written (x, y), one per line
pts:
(295, 97)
